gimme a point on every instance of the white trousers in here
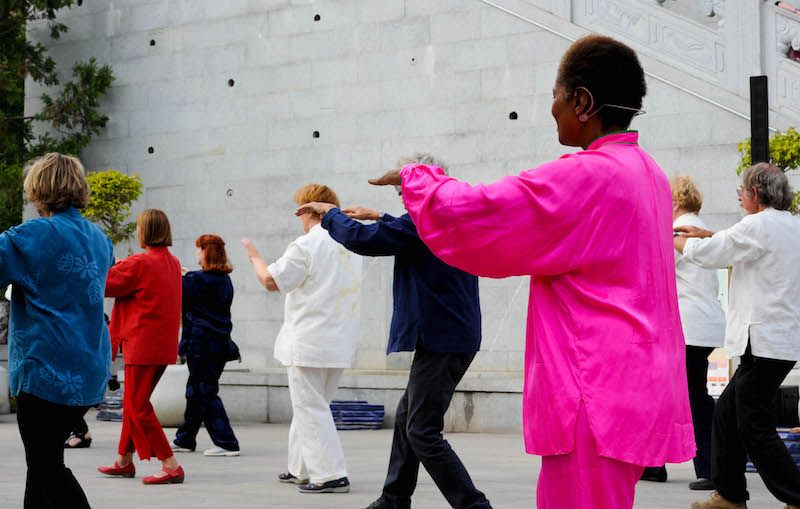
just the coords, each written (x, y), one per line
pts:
(315, 451)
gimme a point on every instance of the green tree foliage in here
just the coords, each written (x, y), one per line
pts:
(68, 119)
(784, 152)
(112, 194)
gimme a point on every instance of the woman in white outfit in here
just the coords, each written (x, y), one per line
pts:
(703, 322)
(322, 283)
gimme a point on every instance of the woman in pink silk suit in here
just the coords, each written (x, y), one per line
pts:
(605, 379)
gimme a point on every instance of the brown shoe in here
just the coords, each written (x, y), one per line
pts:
(717, 501)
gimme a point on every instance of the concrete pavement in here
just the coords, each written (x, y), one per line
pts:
(497, 464)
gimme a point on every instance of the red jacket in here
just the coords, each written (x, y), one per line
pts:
(147, 310)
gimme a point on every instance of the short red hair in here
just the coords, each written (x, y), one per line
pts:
(216, 260)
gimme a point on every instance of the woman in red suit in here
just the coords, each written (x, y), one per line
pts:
(145, 323)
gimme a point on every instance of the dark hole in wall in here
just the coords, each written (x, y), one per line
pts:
(316, 134)
(152, 42)
(150, 150)
(513, 115)
(231, 82)
(317, 17)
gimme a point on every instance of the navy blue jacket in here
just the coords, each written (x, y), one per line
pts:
(436, 306)
(207, 299)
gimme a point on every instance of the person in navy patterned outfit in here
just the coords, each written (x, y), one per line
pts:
(206, 346)
(59, 347)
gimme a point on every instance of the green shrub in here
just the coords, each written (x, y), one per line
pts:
(112, 194)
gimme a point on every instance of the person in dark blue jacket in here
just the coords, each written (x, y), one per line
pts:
(437, 315)
(206, 345)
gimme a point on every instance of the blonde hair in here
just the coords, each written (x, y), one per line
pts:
(55, 182)
(315, 192)
(686, 194)
(154, 230)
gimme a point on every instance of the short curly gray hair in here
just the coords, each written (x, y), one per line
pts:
(771, 185)
(421, 158)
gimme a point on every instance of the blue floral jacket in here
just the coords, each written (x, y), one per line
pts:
(59, 348)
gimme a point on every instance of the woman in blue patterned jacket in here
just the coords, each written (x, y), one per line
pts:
(59, 348)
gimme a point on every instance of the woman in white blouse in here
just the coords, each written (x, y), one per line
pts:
(763, 329)
(322, 283)
(703, 322)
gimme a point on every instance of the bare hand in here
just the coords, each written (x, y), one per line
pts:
(250, 248)
(363, 213)
(314, 207)
(693, 232)
(390, 178)
(184, 270)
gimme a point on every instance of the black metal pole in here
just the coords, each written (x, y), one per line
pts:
(759, 119)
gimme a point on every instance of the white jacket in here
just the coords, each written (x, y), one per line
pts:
(764, 306)
(322, 313)
(702, 316)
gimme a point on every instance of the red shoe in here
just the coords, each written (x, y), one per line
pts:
(127, 471)
(172, 477)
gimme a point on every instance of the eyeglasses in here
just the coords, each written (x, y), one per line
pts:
(739, 191)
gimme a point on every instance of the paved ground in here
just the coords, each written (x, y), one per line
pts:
(496, 463)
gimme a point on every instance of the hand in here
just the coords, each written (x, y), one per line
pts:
(693, 232)
(390, 178)
(358, 212)
(314, 207)
(184, 270)
(250, 248)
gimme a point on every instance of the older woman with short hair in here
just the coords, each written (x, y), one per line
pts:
(703, 323)
(322, 313)
(593, 231)
(762, 330)
(59, 350)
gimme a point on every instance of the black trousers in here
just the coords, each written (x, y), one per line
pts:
(43, 427)
(204, 406)
(80, 428)
(702, 406)
(744, 423)
(418, 433)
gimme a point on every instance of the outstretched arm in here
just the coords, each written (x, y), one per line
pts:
(388, 237)
(260, 266)
(727, 247)
(535, 223)
(123, 278)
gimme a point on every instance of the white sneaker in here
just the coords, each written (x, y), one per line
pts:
(177, 448)
(219, 451)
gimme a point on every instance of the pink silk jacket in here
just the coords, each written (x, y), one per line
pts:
(594, 231)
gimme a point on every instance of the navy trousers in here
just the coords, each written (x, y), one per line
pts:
(204, 406)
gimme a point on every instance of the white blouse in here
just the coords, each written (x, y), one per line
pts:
(764, 306)
(702, 316)
(322, 313)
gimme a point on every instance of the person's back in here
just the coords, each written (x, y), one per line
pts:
(147, 309)
(774, 268)
(324, 307)
(207, 300)
(702, 316)
(616, 270)
(59, 347)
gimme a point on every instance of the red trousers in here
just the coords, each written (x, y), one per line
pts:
(141, 431)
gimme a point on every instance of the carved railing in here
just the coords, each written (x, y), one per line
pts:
(698, 10)
(722, 42)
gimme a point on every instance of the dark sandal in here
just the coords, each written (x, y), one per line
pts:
(83, 444)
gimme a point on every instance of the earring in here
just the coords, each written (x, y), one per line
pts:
(583, 117)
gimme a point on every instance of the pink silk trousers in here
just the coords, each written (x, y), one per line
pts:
(583, 479)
